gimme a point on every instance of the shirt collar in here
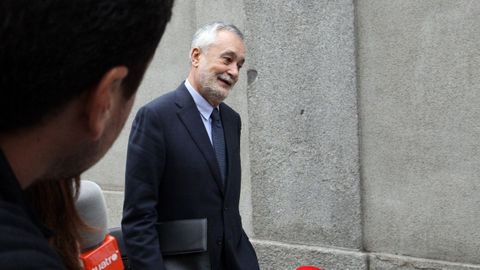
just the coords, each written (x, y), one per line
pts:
(203, 106)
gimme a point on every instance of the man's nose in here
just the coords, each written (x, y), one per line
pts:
(234, 71)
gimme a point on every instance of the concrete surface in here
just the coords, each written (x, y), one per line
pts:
(392, 262)
(419, 75)
(276, 255)
(303, 122)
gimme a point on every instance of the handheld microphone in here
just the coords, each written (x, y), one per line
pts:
(99, 251)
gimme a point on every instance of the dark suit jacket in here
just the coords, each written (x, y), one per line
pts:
(172, 174)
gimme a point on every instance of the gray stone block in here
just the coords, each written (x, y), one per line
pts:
(390, 262)
(419, 77)
(303, 122)
(277, 256)
(114, 207)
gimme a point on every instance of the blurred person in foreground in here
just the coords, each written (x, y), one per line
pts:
(183, 159)
(69, 74)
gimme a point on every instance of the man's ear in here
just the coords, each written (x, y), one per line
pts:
(100, 100)
(195, 56)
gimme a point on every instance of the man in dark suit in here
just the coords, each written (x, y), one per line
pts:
(184, 158)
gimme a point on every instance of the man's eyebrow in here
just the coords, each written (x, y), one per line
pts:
(229, 53)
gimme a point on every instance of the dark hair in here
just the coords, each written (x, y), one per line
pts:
(52, 51)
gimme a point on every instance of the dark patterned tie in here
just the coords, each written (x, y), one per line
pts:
(218, 142)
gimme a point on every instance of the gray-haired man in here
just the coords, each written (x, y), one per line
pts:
(184, 158)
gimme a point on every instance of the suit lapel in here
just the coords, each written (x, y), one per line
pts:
(190, 117)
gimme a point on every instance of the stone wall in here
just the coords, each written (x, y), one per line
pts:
(419, 67)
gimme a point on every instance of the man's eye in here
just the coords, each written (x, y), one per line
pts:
(227, 60)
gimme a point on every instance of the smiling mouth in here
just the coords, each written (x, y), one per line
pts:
(226, 80)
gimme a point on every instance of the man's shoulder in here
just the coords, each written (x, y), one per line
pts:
(22, 245)
(167, 99)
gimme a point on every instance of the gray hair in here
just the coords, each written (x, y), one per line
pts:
(206, 35)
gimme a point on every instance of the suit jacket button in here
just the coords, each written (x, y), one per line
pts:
(219, 242)
(225, 209)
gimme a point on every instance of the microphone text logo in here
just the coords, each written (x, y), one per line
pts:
(106, 262)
